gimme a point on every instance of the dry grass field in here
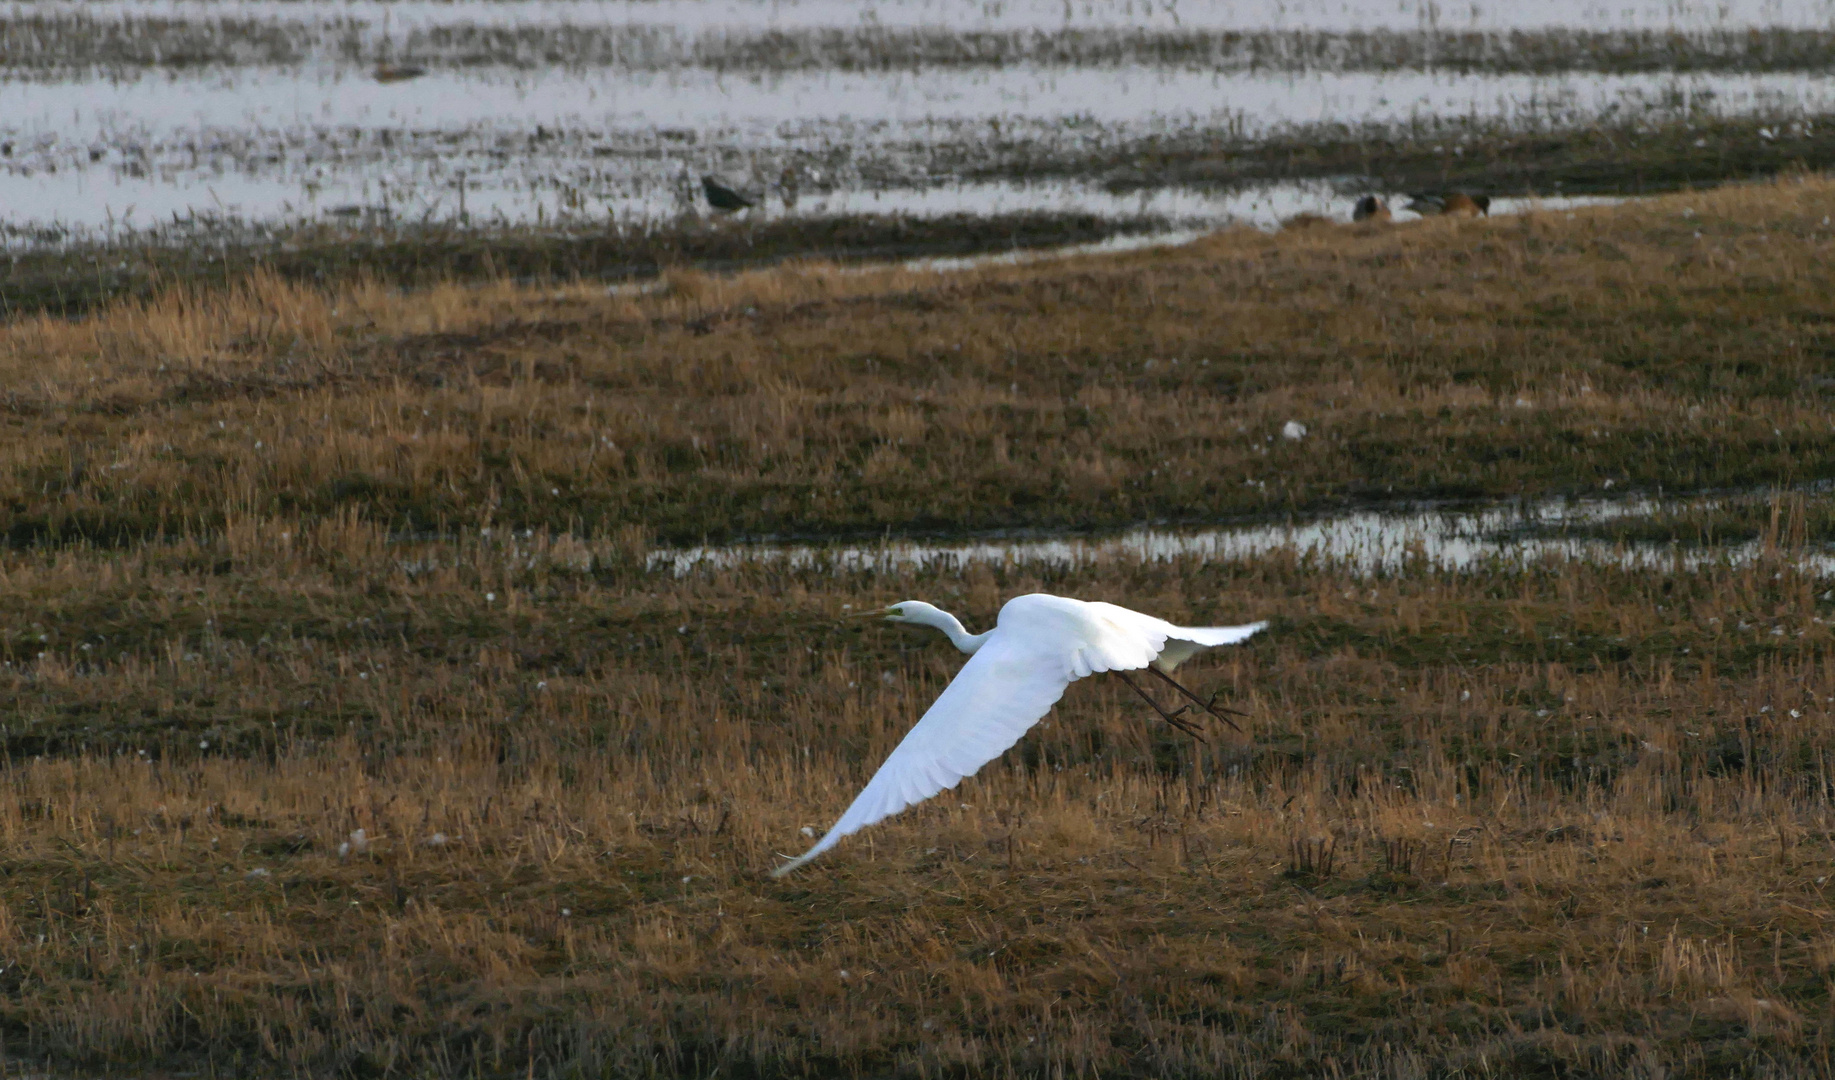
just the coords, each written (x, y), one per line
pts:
(350, 730)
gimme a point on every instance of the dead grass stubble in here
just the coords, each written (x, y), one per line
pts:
(1564, 818)
(292, 789)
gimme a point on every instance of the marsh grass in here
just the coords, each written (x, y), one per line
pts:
(52, 45)
(350, 731)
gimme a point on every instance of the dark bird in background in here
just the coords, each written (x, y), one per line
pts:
(394, 73)
(723, 198)
(1453, 204)
(1370, 208)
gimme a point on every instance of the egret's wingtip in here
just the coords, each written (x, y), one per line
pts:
(789, 866)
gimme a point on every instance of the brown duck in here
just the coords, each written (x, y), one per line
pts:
(1451, 204)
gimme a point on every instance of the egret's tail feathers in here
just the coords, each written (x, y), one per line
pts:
(1221, 635)
(1188, 641)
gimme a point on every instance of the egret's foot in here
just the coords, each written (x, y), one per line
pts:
(1207, 706)
(1170, 717)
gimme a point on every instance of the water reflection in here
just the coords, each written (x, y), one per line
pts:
(508, 147)
(1368, 542)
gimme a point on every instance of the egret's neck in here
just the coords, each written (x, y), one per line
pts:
(949, 624)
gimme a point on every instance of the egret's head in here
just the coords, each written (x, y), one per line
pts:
(912, 611)
(918, 613)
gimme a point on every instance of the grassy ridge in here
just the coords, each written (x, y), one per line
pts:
(1682, 344)
(351, 731)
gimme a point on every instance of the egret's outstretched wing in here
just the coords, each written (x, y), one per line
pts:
(997, 696)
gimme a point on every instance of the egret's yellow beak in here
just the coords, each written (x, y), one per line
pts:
(870, 613)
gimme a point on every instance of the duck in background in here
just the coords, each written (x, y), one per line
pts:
(393, 73)
(723, 198)
(1451, 204)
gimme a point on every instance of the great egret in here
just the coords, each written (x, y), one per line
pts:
(1016, 672)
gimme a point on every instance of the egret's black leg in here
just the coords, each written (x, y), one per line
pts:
(1170, 717)
(1202, 704)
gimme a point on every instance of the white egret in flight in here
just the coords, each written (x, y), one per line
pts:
(1016, 672)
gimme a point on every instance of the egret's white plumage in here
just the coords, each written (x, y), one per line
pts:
(1016, 672)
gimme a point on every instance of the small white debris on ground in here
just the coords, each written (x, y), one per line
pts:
(1293, 429)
